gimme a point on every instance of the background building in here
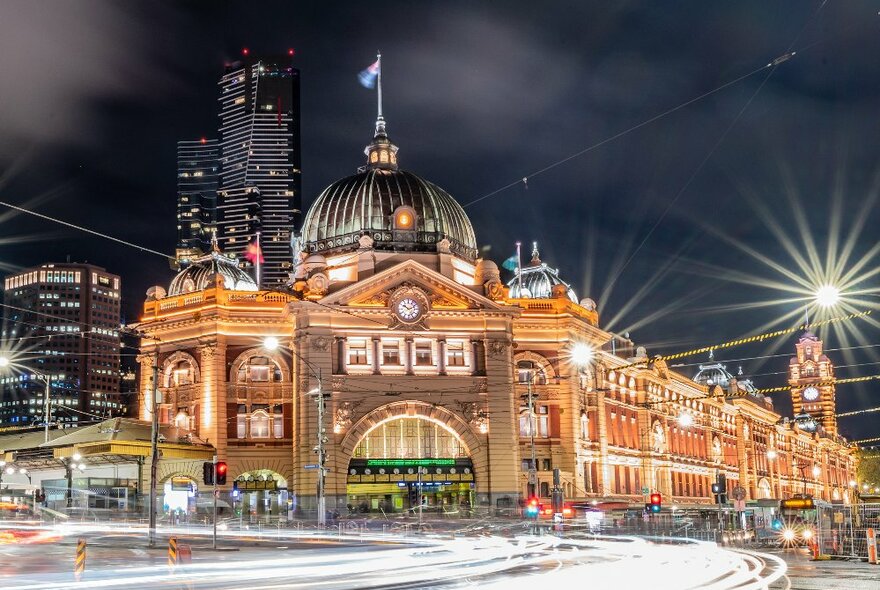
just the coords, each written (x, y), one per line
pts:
(198, 164)
(260, 161)
(61, 320)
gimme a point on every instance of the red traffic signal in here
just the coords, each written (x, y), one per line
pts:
(656, 499)
(220, 470)
(533, 501)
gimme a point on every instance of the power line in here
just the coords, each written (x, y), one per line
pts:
(86, 230)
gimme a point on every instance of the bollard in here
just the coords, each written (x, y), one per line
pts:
(872, 547)
(172, 552)
(79, 564)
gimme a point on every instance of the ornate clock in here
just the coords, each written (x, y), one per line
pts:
(408, 310)
(811, 394)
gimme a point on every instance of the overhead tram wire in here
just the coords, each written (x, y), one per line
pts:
(86, 230)
(617, 136)
(773, 64)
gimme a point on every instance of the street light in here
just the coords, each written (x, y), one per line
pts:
(827, 295)
(772, 454)
(6, 362)
(271, 343)
(817, 471)
(685, 420)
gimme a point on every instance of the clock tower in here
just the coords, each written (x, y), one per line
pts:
(809, 374)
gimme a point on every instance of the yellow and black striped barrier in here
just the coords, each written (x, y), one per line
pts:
(79, 564)
(172, 552)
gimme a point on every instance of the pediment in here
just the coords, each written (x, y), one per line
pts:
(442, 293)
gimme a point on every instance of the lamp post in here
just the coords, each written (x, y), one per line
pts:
(5, 362)
(272, 344)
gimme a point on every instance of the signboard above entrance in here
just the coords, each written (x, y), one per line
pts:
(410, 462)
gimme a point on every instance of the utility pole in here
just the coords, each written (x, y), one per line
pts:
(322, 509)
(215, 493)
(46, 407)
(533, 466)
(420, 496)
(154, 448)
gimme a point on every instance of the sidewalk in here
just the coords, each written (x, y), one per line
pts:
(806, 574)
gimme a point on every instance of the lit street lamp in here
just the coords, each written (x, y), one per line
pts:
(827, 295)
(6, 362)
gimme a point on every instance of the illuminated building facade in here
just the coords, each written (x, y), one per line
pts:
(427, 362)
(198, 164)
(260, 162)
(65, 318)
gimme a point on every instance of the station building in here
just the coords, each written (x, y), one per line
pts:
(426, 362)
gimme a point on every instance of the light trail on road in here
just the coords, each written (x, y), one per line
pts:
(424, 561)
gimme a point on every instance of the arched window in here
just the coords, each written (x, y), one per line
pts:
(409, 438)
(179, 374)
(262, 421)
(259, 369)
(530, 371)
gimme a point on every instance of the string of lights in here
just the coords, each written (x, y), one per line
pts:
(746, 340)
(825, 383)
(857, 412)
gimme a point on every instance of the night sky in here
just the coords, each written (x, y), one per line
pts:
(687, 230)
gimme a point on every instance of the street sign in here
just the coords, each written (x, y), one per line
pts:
(311, 466)
(646, 491)
(739, 493)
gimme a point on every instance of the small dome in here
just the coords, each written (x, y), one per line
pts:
(538, 280)
(199, 275)
(713, 374)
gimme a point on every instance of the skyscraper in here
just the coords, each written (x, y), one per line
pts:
(259, 191)
(61, 321)
(198, 166)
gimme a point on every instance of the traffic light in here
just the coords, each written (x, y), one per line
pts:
(532, 508)
(413, 494)
(719, 488)
(656, 502)
(221, 470)
(208, 473)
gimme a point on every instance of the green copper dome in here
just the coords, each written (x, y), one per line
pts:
(398, 210)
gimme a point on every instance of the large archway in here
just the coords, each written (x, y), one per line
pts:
(406, 460)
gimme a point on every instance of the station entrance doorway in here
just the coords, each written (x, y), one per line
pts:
(406, 462)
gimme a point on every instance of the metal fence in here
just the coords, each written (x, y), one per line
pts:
(842, 531)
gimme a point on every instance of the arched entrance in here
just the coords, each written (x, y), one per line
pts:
(406, 459)
(260, 492)
(180, 494)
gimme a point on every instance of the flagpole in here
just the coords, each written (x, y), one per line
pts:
(259, 255)
(519, 268)
(379, 82)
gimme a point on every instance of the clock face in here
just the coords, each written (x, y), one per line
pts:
(408, 309)
(811, 394)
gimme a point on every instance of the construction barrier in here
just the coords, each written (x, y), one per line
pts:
(872, 546)
(79, 563)
(172, 552)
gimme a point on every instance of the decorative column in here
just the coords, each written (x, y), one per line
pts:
(408, 353)
(441, 354)
(376, 352)
(339, 350)
(743, 433)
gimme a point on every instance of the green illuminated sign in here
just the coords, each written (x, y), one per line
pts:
(408, 462)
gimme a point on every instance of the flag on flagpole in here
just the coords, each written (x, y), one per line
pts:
(511, 263)
(254, 253)
(367, 77)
